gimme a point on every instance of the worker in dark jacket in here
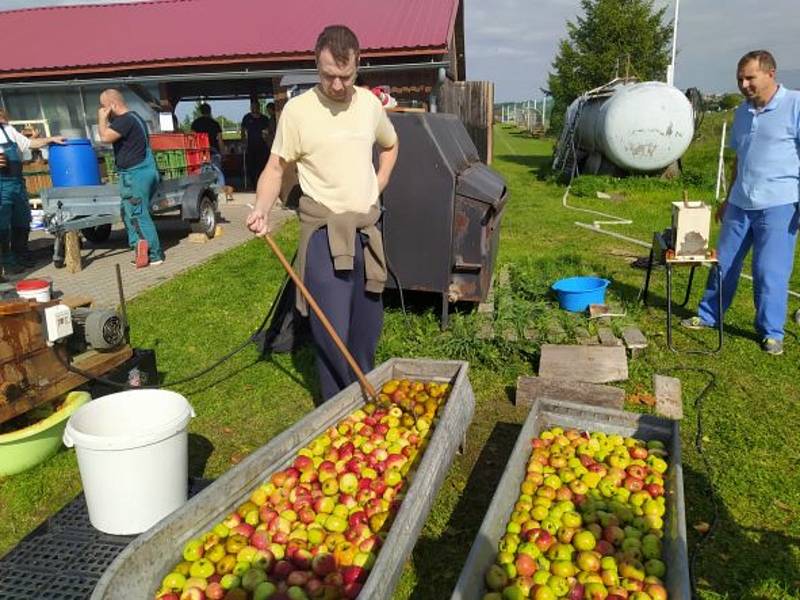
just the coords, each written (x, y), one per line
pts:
(329, 133)
(138, 174)
(15, 211)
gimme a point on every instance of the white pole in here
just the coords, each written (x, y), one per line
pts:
(721, 164)
(671, 67)
(544, 113)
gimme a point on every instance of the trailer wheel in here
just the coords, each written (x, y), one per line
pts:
(207, 221)
(98, 234)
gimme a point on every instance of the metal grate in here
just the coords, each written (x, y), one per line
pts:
(64, 557)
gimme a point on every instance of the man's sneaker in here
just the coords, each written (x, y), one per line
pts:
(155, 263)
(772, 346)
(695, 323)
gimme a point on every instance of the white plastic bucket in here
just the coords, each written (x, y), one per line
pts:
(34, 289)
(132, 452)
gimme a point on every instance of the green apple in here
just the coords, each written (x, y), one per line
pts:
(264, 590)
(584, 540)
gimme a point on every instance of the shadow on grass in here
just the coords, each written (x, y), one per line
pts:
(200, 449)
(452, 547)
(735, 560)
(539, 165)
(697, 338)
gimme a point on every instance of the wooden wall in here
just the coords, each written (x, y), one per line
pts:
(473, 102)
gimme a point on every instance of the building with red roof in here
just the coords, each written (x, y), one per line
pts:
(168, 50)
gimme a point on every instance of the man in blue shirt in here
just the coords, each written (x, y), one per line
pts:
(762, 204)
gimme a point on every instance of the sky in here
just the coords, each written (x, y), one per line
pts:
(513, 42)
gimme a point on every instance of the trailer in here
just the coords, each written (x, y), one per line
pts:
(94, 209)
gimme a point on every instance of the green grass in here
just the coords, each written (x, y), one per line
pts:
(750, 418)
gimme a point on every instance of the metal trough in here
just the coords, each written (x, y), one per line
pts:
(138, 570)
(547, 413)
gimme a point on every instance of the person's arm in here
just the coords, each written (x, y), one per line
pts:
(107, 135)
(41, 142)
(386, 161)
(267, 190)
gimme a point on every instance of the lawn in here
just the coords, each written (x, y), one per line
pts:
(750, 416)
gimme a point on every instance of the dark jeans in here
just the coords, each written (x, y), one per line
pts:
(356, 315)
(254, 164)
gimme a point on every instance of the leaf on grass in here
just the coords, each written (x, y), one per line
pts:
(237, 457)
(706, 439)
(642, 397)
(702, 527)
(783, 506)
(227, 430)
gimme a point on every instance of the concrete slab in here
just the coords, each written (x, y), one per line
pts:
(98, 277)
(531, 388)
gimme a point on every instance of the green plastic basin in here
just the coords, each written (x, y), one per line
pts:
(25, 448)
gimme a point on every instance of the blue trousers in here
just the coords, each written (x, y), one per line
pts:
(772, 233)
(356, 315)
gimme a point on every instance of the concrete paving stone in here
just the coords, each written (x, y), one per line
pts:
(98, 277)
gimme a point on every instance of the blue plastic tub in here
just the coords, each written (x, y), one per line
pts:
(74, 164)
(575, 294)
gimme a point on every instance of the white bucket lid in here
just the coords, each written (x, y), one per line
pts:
(126, 420)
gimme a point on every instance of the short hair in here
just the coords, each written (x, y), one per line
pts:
(766, 62)
(114, 94)
(3, 114)
(270, 106)
(205, 109)
(340, 41)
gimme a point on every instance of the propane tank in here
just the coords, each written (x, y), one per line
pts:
(640, 127)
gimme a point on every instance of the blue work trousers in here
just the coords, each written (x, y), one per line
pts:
(356, 314)
(137, 185)
(772, 233)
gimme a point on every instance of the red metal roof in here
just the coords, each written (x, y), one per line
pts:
(84, 38)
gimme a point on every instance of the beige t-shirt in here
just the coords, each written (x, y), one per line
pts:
(332, 142)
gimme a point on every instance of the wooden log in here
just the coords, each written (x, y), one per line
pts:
(531, 388)
(72, 252)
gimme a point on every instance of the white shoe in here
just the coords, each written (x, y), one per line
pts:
(155, 263)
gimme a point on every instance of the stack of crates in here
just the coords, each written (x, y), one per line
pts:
(179, 154)
(111, 167)
(176, 155)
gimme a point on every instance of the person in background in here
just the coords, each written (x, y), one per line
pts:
(208, 125)
(15, 211)
(269, 134)
(329, 133)
(760, 211)
(255, 129)
(138, 174)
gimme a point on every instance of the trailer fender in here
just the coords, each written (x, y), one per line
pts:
(192, 196)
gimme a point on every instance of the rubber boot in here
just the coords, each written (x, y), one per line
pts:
(19, 246)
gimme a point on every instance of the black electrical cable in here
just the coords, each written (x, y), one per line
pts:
(698, 445)
(125, 386)
(389, 268)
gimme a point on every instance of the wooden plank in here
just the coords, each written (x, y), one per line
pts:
(592, 364)
(530, 388)
(634, 340)
(62, 381)
(77, 301)
(72, 252)
(607, 337)
(668, 396)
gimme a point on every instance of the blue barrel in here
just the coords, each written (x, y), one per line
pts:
(73, 164)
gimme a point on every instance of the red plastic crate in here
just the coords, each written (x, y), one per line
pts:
(191, 141)
(197, 157)
(194, 169)
(167, 141)
(202, 141)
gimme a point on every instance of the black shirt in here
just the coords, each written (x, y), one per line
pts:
(254, 125)
(208, 126)
(131, 148)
